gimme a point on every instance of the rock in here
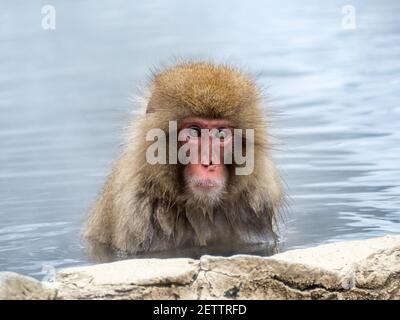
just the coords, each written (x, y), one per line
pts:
(345, 270)
(366, 269)
(14, 286)
(137, 278)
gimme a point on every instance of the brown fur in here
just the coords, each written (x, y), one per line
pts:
(145, 207)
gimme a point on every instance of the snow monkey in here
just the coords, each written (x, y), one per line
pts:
(159, 197)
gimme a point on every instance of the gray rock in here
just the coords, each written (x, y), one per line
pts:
(129, 279)
(14, 286)
(366, 269)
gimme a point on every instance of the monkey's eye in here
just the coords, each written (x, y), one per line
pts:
(223, 133)
(194, 132)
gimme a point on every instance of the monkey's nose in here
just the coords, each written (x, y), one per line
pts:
(209, 166)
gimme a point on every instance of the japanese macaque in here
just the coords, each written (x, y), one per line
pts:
(149, 205)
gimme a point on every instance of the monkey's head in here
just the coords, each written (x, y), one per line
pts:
(208, 103)
(196, 169)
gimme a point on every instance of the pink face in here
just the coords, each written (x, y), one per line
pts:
(206, 179)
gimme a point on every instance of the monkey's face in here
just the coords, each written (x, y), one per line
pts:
(209, 142)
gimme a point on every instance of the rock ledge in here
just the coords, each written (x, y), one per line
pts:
(366, 269)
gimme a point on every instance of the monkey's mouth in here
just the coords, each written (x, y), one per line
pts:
(207, 183)
(206, 190)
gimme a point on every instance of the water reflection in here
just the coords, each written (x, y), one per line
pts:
(100, 254)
